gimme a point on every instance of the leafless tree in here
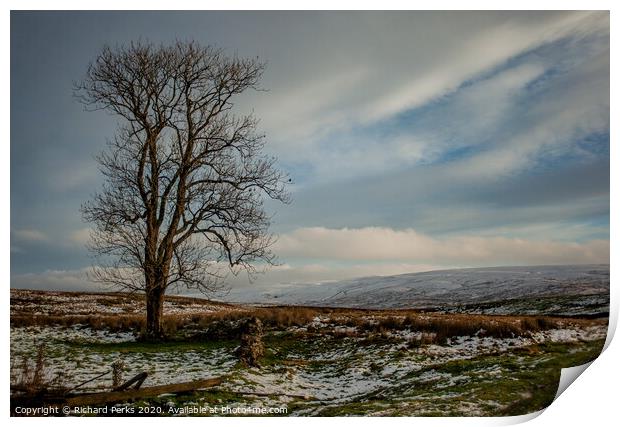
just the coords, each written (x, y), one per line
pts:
(185, 178)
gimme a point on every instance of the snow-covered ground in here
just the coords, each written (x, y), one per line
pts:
(59, 303)
(329, 363)
(379, 366)
(438, 288)
(72, 353)
(343, 369)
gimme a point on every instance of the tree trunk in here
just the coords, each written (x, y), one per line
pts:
(154, 311)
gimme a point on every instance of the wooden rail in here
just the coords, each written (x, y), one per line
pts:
(130, 395)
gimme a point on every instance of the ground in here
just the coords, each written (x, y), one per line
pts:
(317, 361)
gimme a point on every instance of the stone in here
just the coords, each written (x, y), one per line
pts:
(251, 349)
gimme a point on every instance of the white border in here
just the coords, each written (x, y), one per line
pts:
(591, 400)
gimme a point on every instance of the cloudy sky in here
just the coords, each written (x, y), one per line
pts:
(415, 140)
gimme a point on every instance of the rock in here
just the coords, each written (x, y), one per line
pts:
(251, 348)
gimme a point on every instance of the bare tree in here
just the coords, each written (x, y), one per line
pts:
(185, 178)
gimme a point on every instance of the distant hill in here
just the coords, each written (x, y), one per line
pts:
(566, 290)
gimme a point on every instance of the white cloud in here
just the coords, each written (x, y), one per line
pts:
(473, 112)
(29, 235)
(317, 273)
(329, 125)
(77, 280)
(421, 58)
(477, 53)
(71, 176)
(321, 254)
(79, 237)
(374, 244)
(549, 139)
(74, 238)
(67, 280)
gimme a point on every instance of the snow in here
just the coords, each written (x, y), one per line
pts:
(69, 303)
(341, 372)
(439, 288)
(340, 380)
(345, 370)
(76, 366)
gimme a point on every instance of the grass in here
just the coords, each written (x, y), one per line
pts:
(277, 317)
(583, 306)
(339, 345)
(33, 379)
(374, 325)
(527, 382)
(525, 385)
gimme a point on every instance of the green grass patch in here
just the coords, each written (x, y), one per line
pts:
(523, 384)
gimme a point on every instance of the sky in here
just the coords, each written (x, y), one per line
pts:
(415, 140)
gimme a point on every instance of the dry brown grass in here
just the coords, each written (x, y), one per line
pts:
(447, 326)
(444, 326)
(357, 322)
(437, 328)
(125, 322)
(276, 317)
(32, 377)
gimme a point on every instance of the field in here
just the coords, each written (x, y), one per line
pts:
(317, 361)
